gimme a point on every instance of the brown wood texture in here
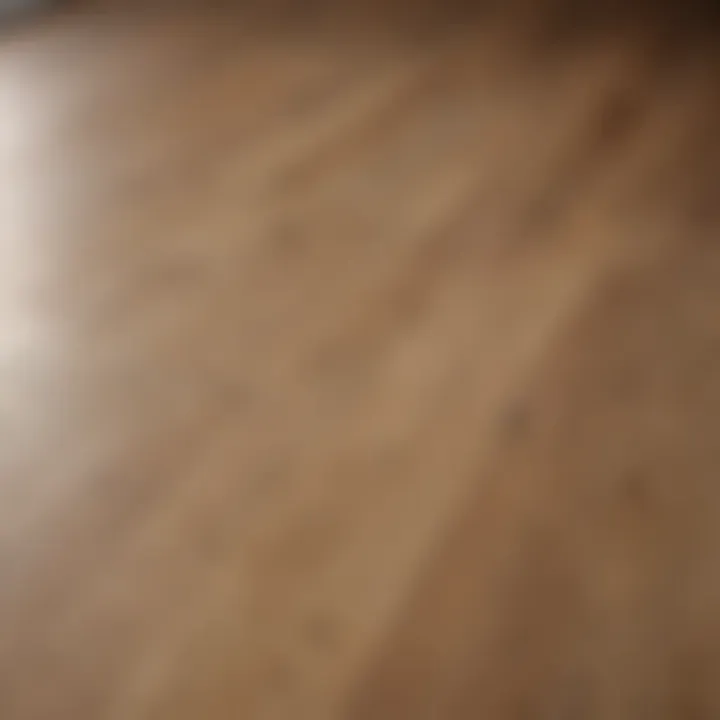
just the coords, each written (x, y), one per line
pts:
(360, 361)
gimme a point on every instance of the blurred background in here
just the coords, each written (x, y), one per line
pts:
(359, 359)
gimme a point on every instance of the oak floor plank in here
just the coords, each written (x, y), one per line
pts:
(357, 363)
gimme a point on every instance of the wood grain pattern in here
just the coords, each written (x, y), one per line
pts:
(359, 362)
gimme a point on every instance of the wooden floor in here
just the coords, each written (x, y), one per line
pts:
(360, 362)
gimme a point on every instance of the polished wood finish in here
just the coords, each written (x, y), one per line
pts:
(359, 364)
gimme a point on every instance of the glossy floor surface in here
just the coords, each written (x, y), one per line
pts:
(359, 363)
